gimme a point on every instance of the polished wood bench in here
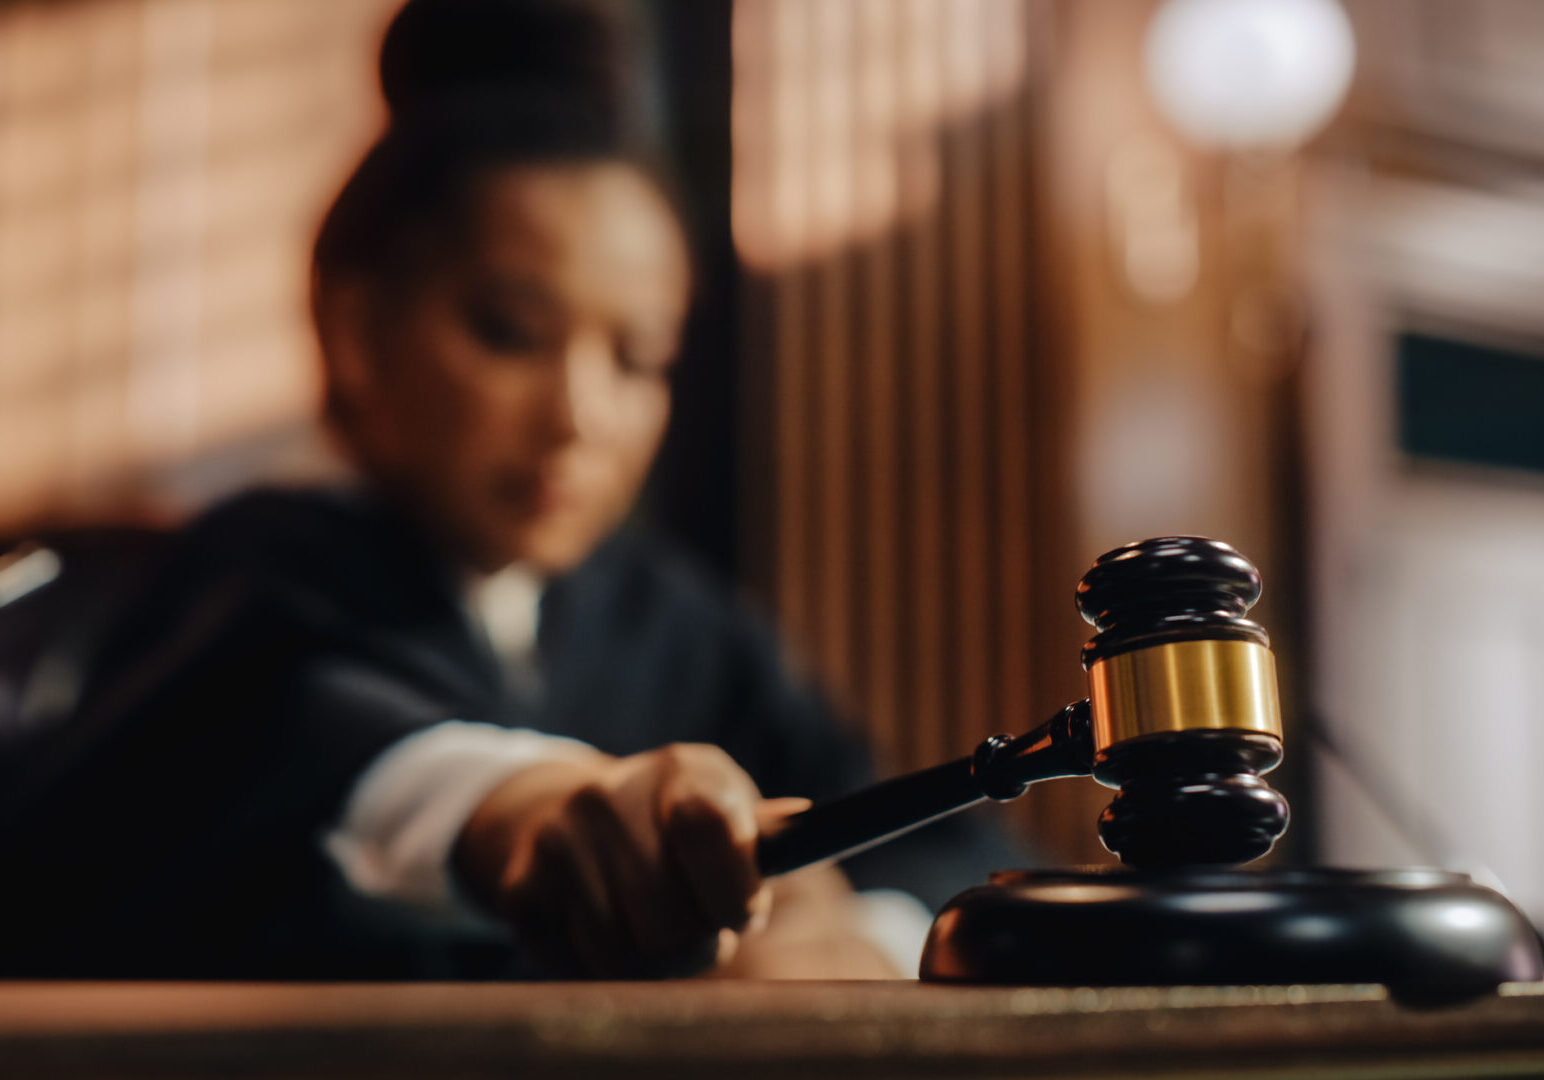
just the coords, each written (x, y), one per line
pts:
(748, 1031)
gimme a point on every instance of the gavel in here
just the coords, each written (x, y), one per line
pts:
(1182, 718)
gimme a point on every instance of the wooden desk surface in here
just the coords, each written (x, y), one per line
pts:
(749, 1031)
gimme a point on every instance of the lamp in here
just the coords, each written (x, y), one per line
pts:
(1249, 74)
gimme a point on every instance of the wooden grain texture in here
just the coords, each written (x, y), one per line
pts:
(162, 169)
(884, 180)
(751, 1030)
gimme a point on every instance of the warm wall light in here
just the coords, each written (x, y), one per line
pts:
(163, 164)
(1154, 224)
(1245, 74)
(837, 109)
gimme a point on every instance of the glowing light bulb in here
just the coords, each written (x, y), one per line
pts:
(1241, 74)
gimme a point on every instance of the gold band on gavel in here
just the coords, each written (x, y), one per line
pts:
(1184, 686)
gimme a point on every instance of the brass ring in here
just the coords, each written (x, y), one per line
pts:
(1184, 686)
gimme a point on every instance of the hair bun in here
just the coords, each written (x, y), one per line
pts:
(436, 50)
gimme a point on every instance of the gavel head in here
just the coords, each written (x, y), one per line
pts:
(1182, 690)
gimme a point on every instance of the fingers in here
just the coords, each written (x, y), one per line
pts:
(770, 812)
(708, 813)
(558, 906)
(761, 910)
(587, 904)
(704, 847)
(651, 909)
(648, 869)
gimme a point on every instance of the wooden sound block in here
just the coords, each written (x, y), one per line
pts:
(1427, 935)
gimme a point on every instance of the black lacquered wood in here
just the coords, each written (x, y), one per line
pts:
(1170, 588)
(1195, 797)
(1191, 798)
(1001, 768)
(1426, 934)
(1185, 797)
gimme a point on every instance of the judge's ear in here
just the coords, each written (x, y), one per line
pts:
(343, 312)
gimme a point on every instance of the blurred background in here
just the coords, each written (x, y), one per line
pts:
(987, 287)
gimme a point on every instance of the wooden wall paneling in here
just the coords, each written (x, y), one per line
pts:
(1008, 286)
(877, 343)
(832, 405)
(920, 541)
(925, 521)
(162, 166)
(967, 419)
(792, 463)
(1039, 560)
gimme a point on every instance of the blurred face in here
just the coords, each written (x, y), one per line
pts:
(515, 396)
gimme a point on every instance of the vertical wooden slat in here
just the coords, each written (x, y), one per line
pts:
(830, 43)
(880, 568)
(787, 108)
(102, 304)
(929, 508)
(1008, 185)
(48, 114)
(166, 392)
(971, 654)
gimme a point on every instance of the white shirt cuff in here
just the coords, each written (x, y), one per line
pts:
(897, 924)
(406, 810)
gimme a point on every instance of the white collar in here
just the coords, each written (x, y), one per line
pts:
(508, 604)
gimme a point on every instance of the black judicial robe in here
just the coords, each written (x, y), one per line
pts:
(172, 828)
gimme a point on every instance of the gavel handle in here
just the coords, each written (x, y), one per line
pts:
(1001, 768)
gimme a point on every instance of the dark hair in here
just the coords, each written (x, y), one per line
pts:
(470, 85)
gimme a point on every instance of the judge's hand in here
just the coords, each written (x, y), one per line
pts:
(623, 867)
